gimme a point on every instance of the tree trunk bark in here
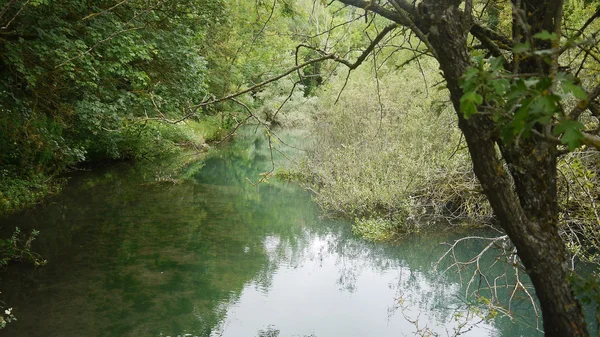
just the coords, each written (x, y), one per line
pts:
(527, 211)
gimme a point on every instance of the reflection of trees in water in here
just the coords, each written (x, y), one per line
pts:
(129, 258)
(136, 258)
(434, 297)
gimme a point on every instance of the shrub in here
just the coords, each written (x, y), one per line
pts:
(390, 155)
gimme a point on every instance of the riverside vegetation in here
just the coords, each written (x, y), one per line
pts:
(84, 83)
(78, 87)
(523, 90)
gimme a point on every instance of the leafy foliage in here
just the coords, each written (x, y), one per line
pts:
(395, 168)
(97, 80)
(15, 249)
(519, 104)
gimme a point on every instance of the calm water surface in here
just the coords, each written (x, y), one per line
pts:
(214, 255)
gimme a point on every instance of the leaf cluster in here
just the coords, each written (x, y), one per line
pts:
(521, 104)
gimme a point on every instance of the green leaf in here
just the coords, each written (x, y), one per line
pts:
(577, 91)
(530, 82)
(543, 105)
(571, 133)
(469, 102)
(545, 35)
(500, 86)
(520, 48)
(496, 63)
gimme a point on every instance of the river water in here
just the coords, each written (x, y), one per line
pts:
(208, 253)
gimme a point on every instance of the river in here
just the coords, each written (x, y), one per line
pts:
(208, 253)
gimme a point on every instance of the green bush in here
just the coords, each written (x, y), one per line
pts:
(401, 160)
(17, 249)
(17, 192)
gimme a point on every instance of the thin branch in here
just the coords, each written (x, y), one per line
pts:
(263, 83)
(343, 87)
(104, 11)
(584, 104)
(380, 103)
(265, 23)
(413, 26)
(6, 7)
(369, 49)
(587, 23)
(351, 65)
(386, 13)
(17, 14)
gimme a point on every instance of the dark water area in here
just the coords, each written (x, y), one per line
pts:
(208, 253)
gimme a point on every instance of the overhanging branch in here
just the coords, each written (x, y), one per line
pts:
(263, 83)
(376, 8)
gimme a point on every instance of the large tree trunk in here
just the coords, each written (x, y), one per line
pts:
(523, 199)
(527, 211)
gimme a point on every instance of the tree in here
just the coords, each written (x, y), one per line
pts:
(86, 81)
(515, 122)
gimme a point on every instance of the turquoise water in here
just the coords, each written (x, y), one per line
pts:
(208, 253)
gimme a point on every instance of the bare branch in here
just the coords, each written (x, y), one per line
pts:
(376, 8)
(265, 23)
(587, 23)
(369, 49)
(263, 83)
(104, 11)
(413, 26)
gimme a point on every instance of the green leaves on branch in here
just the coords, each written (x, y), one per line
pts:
(571, 133)
(469, 102)
(546, 36)
(76, 74)
(520, 105)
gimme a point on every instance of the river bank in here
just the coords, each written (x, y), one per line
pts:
(155, 142)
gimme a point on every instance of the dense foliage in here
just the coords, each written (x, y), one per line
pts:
(101, 80)
(76, 75)
(395, 168)
(395, 161)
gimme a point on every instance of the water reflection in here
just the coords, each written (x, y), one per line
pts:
(215, 255)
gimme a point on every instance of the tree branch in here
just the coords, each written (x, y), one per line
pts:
(502, 41)
(591, 140)
(587, 23)
(413, 26)
(584, 104)
(376, 8)
(265, 82)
